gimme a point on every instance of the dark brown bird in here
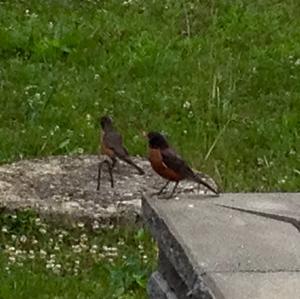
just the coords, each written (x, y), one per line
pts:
(168, 164)
(112, 146)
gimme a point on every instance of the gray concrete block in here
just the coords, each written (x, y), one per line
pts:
(206, 242)
(158, 288)
(279, 285)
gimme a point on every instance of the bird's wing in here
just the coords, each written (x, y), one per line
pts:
(175, 162)
(115, 142)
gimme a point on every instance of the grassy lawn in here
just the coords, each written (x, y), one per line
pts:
(220, 78)
(43, 260)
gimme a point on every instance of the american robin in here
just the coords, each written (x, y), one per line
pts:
(112, 146)
(168, 164)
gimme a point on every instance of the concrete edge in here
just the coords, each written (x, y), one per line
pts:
(198, 282)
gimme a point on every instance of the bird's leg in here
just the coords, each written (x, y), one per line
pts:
(114, 161)
(110, 167)
(173, 191)
(163, 188)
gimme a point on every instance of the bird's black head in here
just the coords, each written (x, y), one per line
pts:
(157, 140)
(105, 122)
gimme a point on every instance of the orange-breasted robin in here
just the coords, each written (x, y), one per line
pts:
(112, 146)
(168, 164)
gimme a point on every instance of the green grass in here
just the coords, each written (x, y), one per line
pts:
(220, 78)
(233, 65)
(43, 260)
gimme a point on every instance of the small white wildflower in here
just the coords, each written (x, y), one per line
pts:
(80, 224)
(11, 249)
(76, 248)
(96, 76)
(23, 239)
(56, 248)
(4, 229)
(95, 225)
(14, 217)
(12, 259)
(43, 252)
(83, 237)
(49, 265)
(297, 62)
(186, 105)
(121, 242)
(42, 231)
(13, 237)
(34, 241)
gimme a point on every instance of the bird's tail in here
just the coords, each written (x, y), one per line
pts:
(202, 178)
(130, 162)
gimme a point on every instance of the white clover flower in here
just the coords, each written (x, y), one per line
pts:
(76, 248)
(297, 62)
(95, 225)
(43, 252)
(23, 239)
(42, 231)
(80, 224)
(34, 241)
(186, 105)
(12, 259)
(11, 249)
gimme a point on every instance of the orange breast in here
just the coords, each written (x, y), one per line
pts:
(106, 150)
(158, 165)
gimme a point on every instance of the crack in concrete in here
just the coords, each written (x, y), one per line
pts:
(281, 218)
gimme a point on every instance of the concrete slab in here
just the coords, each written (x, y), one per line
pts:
(158, 288)
(215, 249)
(218, 239)
(280, 285)
(281, 204)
